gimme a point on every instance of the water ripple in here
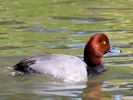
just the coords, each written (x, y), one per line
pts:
(80, 19)
(10, 22)
(96, 8)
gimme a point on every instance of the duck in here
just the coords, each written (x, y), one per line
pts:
(69, 67)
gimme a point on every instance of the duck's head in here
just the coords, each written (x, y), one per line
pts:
(96, 47)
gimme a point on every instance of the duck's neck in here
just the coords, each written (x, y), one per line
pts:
(91, 58)
(93, 71)
(93, 61)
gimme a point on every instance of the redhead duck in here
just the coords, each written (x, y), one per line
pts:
(69, 67)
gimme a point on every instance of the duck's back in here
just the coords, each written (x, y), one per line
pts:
(65, 67)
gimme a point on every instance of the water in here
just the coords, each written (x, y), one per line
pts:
(35, 27)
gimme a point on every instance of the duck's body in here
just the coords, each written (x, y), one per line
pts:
(68, 67)
(65, 67)
(61, 66)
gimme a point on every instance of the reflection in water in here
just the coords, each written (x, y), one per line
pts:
(60, 89)
(93, 92)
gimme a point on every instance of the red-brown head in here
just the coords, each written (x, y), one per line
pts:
(95, 48)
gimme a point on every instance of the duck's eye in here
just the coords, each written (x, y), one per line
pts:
(104, 42)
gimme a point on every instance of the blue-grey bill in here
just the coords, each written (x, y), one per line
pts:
(115, 50)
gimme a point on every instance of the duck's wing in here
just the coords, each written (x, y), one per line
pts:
(24, 65)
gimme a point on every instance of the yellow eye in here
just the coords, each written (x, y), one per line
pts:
(104, 42)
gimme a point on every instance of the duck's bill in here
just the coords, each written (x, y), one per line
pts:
(115, 50)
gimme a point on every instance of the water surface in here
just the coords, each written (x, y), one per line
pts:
(29, 28)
